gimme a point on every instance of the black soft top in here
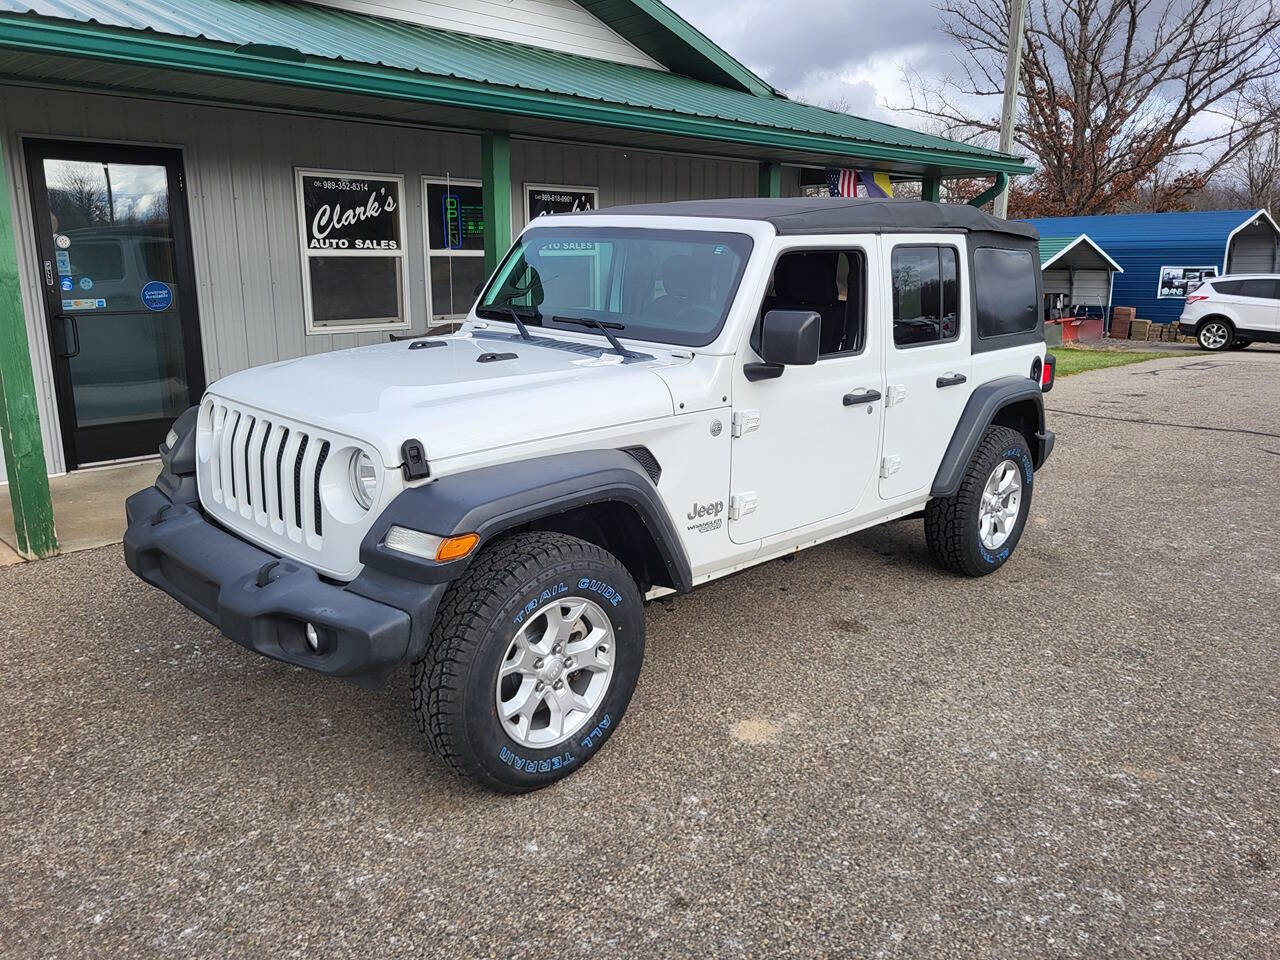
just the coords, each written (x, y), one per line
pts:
(790, 215)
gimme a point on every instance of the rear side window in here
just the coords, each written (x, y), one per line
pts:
(1258, 289)
(1004, 283)
(926, 295)
(1261, 289)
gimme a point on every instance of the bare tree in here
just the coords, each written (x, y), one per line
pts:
(1112, 93)
(1253, 174)
(78, 195)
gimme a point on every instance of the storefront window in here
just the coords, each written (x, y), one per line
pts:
(454, 214)
(352, 229)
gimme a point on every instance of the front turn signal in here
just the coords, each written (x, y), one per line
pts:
(428, 546)
(455, 548)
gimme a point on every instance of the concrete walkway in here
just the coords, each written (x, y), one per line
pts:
(88, 507)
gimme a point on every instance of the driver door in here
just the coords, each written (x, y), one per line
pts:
(806, 444)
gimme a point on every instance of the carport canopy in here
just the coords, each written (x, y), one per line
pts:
(1078, 252)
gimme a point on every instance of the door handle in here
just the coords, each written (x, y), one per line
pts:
(864, 396)
(64, 353)
(951, 380)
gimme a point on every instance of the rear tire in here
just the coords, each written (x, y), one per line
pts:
(974, 531)
(493, 703)
(1215, 334)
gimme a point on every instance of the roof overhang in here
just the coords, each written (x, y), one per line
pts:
(1253, 218)
(40, 50)
(675, 43)
(1082, 240)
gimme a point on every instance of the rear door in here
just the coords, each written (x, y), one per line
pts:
(928, 356)
(1259, 304)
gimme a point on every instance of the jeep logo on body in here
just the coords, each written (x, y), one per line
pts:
(706, 510)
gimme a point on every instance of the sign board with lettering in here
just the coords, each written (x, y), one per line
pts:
(351, 230)
(542, 199)
(351, 213)
(1177, 282)
(455, 215)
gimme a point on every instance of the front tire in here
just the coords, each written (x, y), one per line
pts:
(531, 662)
(974, 531)
(1215, 334)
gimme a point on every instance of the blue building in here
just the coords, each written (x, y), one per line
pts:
(1162, 254)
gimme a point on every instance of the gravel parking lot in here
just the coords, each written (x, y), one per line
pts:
(850, 754)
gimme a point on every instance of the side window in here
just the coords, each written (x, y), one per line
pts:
(1260, 289)
(926, 295)
(832, 284)
(1004, 282)
(1230, 288)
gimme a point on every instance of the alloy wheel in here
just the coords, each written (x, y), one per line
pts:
(1001, 501)
(556, 672)
(1214, 335)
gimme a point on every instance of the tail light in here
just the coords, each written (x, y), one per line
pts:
(1047, 371)
(1196, 297)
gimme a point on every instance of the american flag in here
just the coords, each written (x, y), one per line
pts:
(842, 183)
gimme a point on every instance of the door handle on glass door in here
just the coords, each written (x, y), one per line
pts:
(64, 318)
(951, 380)
(861, 396)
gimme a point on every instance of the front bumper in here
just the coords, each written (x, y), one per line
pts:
(264, 602)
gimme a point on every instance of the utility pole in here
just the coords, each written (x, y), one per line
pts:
(1012, 68)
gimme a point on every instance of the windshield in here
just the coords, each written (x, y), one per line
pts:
(665, 286)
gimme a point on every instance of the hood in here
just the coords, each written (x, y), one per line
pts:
(449, 398)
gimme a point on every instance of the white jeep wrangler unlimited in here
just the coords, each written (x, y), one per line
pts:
(644, 399)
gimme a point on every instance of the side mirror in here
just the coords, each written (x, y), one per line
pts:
(787, 338)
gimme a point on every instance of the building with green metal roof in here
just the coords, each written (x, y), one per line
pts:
(191, 188)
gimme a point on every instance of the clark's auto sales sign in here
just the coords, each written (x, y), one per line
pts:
(351, 213)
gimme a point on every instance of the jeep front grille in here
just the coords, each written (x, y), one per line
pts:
(268, 472)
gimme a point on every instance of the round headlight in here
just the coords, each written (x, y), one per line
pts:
(364, 479)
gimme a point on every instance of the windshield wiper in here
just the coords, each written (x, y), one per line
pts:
(510, 311)
(604, 326)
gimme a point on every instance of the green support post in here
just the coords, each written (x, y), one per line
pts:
(931, 189)
(770, 179)
(19, 415)
(495, 161)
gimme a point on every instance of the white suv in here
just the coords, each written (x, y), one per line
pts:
(1233, 311)
(644, 399)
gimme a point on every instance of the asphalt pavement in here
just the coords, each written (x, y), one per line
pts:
(847, 755)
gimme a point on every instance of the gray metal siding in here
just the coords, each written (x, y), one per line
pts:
(1092, 288)
(1253, 250)
(1057, 282)
(625, 176)
(241, 196)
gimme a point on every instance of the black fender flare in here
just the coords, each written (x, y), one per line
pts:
(984, 403)
(491, 500)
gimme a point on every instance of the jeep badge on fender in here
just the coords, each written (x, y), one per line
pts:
(495, 511)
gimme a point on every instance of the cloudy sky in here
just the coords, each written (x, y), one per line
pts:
(823, 52)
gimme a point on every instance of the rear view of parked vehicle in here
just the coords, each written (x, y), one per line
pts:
(1232, 312)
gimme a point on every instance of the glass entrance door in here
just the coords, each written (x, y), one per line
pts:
(119, 294)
